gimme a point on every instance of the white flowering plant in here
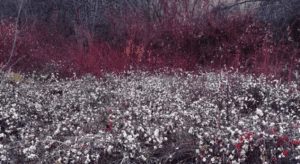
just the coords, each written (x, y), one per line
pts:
(143, 117)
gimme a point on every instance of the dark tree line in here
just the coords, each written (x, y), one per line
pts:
(97, 15)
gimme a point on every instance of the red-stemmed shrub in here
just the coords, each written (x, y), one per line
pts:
(177, 36)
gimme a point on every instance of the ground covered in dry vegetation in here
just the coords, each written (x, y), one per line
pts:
(143, 117)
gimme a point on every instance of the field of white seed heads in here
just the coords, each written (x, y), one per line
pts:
(138, 117)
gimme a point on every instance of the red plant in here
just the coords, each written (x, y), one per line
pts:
(282, 140)
(248, 136)
(285, 153)
(295, 142)
(180, 37)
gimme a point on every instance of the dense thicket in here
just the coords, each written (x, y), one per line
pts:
(256, 35)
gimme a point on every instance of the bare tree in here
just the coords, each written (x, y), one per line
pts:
(9, 61)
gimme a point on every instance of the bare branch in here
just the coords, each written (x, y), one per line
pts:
(15, 36)
(240, 3)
